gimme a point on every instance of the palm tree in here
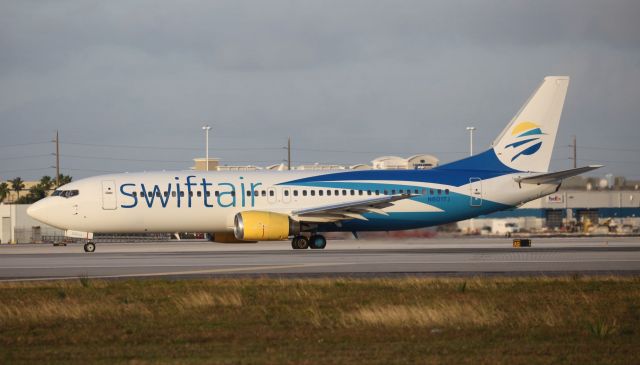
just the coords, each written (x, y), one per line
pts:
(46, 182)
(17, 184)
(36, 193)
(65, 179)
(4, 191)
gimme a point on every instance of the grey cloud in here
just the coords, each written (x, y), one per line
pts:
(404, 76)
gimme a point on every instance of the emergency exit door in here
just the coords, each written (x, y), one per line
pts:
(109, 201)
(475, 193)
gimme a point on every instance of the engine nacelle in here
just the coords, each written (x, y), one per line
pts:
(264, 226)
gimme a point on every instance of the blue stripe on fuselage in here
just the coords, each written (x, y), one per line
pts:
(453, 206)
(485, 166)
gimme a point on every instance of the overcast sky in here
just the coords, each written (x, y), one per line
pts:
(347, 80)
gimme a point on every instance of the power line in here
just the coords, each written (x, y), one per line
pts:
(171, 148)
(23, 144)
(611, 148)
(608, 161)
(32, 169)
(23, 157)
(122, 159)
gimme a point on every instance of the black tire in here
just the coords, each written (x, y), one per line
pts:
(317, 242)
(299, 243)
(89, 247)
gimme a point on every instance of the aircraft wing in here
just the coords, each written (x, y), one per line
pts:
(555, 177)
(349, 210)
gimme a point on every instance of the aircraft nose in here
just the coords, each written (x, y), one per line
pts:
(37, 210)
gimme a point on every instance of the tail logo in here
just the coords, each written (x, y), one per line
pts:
(528, 139)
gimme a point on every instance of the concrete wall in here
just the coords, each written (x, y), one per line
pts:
(21, 227)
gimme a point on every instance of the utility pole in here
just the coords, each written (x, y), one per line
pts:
(57, 159)
(206, 129)
(289, 154)
(471, 129)
(575, 152)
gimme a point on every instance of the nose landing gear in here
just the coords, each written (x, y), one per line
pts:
(89, 247)
(316, 241)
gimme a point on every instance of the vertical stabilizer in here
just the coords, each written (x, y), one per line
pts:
(527, 142)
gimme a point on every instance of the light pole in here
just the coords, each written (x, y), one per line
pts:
(471, 129)
(206, 130)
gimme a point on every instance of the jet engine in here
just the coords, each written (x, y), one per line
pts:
(264, 226)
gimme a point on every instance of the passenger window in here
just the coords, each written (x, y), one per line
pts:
(286, 193)
(377, 192)
(166, 194)
(386, 192)
(320, 192)
(199, 193)
(191, 193)
(313, 193)
(368, 192)
(248, 193)
(304, 193)
(217, 193)
(446, 191)
(182, 194)
(295, 193)
(431, 191)
(233, 193)
(328, 193)
(173, 194)
(208, 193)
(264, 193)
(272, 193)
(344, 192)
(353, 192)
(141, 194)
(337, 192)
(393, 191)
(416, 191)
(158, 195)
(439, 191)
(360, 192)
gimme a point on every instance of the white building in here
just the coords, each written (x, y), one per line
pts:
(18, 227)
(415, 162)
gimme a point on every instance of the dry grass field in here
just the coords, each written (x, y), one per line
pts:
(576, 320)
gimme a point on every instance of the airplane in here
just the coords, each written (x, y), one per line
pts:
(251, 206)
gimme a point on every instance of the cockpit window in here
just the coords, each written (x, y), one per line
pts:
(66, 193)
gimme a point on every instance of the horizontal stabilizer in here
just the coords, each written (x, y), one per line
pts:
(555, 177)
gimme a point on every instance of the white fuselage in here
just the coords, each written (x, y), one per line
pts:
(196, 201)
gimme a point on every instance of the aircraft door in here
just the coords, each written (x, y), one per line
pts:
(475, 190)
(109, 201)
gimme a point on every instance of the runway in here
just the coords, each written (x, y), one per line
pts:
(459, 256)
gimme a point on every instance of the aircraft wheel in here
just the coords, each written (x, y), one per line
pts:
(317, 241)
(89, 247)
(299, 243)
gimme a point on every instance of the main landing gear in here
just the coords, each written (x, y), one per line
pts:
(316, 242)
(89, 247)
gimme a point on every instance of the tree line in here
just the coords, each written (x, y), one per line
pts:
(35, 193)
